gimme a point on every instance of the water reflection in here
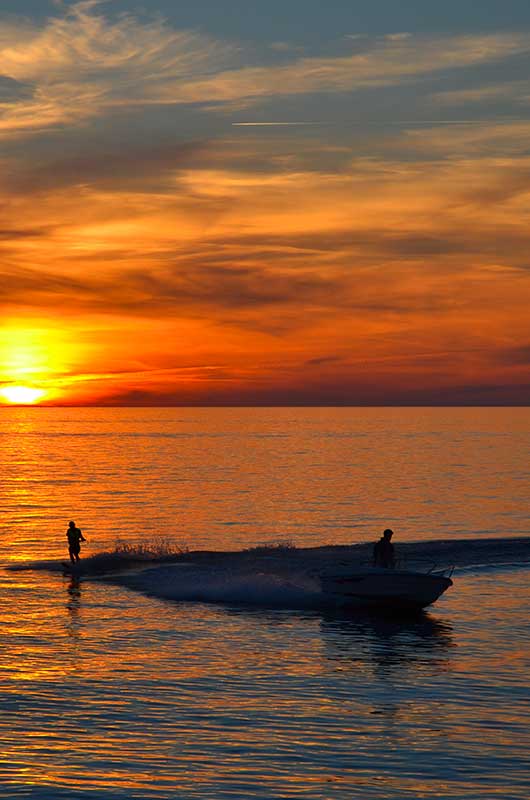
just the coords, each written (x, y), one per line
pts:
(389, 645)
(381, 646)
(73, 606)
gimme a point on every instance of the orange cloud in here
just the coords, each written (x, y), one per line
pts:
(311, 265)
(382, 276)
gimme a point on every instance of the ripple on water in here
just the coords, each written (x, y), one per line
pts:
(106, 693)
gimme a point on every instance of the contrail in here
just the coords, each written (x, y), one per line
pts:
(270, 124)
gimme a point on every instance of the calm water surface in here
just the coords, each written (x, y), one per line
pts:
(108, 693)
(227, 478)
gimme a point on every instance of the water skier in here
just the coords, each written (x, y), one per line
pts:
(75, 537)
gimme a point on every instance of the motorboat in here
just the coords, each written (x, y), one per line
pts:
(379, 587)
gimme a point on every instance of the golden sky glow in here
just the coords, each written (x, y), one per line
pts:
(157, 248)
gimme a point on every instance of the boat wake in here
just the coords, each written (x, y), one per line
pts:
(280, 577)
(190, 583)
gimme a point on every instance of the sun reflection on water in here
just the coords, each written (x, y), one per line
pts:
(108, 691)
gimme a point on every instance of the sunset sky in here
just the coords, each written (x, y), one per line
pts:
(238, 202)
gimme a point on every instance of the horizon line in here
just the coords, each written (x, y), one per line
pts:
(264, 405)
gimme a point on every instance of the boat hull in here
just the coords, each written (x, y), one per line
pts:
(385, 588)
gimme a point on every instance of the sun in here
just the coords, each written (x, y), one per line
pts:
(21, 395)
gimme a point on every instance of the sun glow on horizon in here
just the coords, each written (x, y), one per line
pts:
(21, 395)
(37, 362)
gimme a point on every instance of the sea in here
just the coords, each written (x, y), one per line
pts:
(237, 681)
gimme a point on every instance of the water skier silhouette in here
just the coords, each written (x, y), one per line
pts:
(75, 537)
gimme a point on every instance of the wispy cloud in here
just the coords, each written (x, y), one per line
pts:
(475, 139)
(381, 63)
(83, 64)
(508, 91)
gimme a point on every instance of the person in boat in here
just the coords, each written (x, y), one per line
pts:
(384, 555)
(75, 537)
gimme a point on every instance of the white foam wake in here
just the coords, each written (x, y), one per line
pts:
(191, 583)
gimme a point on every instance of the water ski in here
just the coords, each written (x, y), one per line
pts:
(70, 569)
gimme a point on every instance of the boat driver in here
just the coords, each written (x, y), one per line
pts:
(384, 551)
